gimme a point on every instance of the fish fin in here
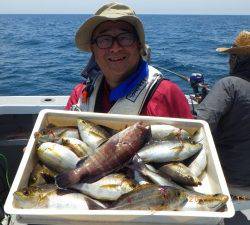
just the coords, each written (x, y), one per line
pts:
(64, 180)
(177, 149)
(138, 164)
(63, 132)
(110, 131)
(62, 192)
(197, 181)
(48, 179)
(198, 136)
(110, 186)
(94, 205)
(37, 134)
(81, 161)
(51, 125)
(94, 133)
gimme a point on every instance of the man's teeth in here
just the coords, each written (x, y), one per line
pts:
(118, 59)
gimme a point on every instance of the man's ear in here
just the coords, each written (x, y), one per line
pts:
(145, 52)
(91, 48)
(139, 45)
(140, 48)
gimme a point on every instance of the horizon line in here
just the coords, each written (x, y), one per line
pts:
(177, 14)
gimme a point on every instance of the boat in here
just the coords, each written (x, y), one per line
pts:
(17, 117)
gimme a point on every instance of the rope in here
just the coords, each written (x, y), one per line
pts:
(7, 170)
(7, 216)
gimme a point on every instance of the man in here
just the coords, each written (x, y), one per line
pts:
(227, 110)
(118, 79)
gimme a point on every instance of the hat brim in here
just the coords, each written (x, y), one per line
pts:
(235, 50)
(84, 33)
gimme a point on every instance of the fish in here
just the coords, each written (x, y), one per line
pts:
(41, 175)
(151, 197)
(48, 196)
(167, 151)
(199, 136)
(140, 179)
(154, 175)
(80, 148)
(198, 165)
(92, 134)
(108, 188)
(112, 155)
(205, 202)
(57, 157)
(180, 174)
(164, 132)
(55, 134)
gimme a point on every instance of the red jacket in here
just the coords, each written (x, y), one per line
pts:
(167, 101)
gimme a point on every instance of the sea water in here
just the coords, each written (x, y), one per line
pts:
(38, 55)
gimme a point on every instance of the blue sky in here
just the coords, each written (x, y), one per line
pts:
(241, 7)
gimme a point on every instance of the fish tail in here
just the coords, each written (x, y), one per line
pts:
(64, 180)
(138, 163)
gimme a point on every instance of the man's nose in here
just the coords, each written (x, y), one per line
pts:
(115, 46)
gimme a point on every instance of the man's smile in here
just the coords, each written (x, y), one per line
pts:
(117, 59)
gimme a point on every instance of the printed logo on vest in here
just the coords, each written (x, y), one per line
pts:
(136, 91)
(75, 108)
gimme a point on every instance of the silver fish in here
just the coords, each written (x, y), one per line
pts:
(80, 148)
(41, 175)
(48, 196)
(55, 134)
(198, 165)
(57, 157)
(180, 174)
(168, 151)
(164, 132)
(108, 188)
(213, 202)
(152, 197)
(154, 175)
(92, 134)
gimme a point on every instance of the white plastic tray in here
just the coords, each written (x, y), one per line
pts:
(213, 181)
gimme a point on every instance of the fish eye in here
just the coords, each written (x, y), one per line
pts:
(26, 192)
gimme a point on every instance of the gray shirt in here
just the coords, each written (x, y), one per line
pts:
(227, 110)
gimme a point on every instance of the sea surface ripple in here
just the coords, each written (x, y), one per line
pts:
(38, 55)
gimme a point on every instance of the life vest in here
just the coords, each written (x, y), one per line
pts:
(130, 104)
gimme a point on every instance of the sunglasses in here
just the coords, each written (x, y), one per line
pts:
(106, 41)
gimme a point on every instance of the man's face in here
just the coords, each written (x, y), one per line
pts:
(116, 62)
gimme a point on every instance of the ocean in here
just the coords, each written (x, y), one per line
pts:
(38, 55)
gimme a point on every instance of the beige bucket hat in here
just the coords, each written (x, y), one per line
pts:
(112, 11)
(240, 46)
